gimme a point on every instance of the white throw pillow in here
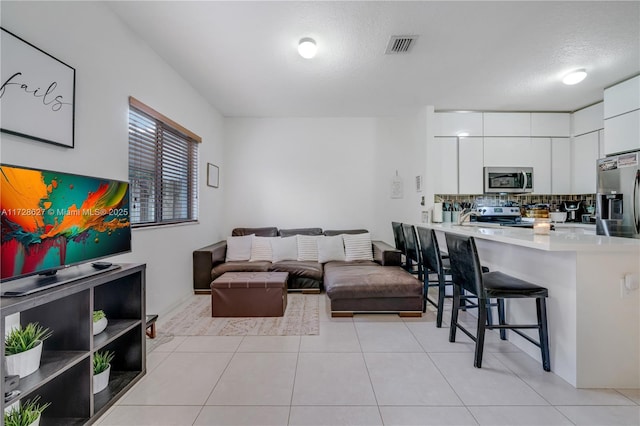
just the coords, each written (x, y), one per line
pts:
(307, 248)
(330, 248)
(357, 246)
(239, 248)
(261, 249)
(284, 249)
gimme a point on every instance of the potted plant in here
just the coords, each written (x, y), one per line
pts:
(25, 413)
(99, 322)
(23, 348)
(101, 370)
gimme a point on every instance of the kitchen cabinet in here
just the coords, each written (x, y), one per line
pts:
(622, 133)
(507, 152)
(588, 119)
(444, 165)
(65, 376)
(507, 124)
(470, 163)
(540, 152)
(550, 124)
(561, 166)
(584, 154)
(452, 123)
(622, 98)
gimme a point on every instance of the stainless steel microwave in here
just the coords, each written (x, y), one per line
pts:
(508, 180)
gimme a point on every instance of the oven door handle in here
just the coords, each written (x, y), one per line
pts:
(526, 179)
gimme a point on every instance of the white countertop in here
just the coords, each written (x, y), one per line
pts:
(564, 238)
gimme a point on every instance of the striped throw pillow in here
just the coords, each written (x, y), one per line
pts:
(307, 248)
(261, 249)
(357, 247)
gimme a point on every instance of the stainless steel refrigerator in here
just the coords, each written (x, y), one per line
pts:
(618, 197)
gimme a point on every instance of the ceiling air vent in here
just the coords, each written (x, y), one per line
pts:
(400, 44)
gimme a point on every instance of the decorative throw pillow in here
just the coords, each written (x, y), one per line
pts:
(307, 248)
(330, 248)
(261, 249)
(357, 246)
(284, 249)
(239, 248)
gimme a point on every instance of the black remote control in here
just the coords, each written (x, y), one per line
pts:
(101, 265)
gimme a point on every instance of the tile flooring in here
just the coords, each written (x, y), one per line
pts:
(369, 370)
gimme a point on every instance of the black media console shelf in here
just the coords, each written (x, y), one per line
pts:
(65, 377)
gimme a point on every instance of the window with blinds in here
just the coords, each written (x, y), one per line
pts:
(163, 168)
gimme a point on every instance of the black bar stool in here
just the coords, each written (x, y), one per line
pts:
(467, 275)
(435, 264)
(398, 237)
(412, 251)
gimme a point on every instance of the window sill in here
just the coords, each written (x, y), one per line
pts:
(164, 225)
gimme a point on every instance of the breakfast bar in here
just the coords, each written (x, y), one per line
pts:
(594, 301)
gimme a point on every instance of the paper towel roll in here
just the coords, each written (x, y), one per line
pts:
(437, 212)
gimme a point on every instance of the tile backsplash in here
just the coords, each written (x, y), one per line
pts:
(495, 199)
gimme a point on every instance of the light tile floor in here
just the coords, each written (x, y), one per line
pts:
(369, 370)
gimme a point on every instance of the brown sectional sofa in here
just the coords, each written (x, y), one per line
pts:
(357, 286)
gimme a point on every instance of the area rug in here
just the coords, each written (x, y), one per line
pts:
(300, 318)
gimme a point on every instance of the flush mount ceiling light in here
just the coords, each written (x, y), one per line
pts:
(307, 48)
(463, 134)
(574, 77)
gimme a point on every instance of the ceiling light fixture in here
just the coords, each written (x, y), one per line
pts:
(574, 77)
(307, 48)
(463, 134)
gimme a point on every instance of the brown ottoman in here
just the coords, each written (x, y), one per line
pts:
(249, 294)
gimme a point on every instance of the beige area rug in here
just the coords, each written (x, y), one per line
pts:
(300, 318)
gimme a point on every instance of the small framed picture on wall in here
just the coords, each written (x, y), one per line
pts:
(213, 175)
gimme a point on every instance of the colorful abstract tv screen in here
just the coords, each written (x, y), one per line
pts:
(51, 220)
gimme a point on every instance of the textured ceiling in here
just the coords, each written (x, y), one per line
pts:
(473, 55)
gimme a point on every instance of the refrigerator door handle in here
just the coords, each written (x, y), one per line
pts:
(636, 196)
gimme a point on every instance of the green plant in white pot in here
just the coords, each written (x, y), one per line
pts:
(23, 348)
(99, 322)
(25, 413)
(101, 370)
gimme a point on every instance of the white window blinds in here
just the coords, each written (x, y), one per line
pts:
(163, 168)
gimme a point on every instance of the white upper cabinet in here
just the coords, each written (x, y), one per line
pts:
(507, 152)
(622, 97)
(588, 119)
(507, 123)
(540, 151)
(550, 124)
(561, 166)
(470, 173)
(584, 150)
(454, 123)
(622, 133)
(443, 163)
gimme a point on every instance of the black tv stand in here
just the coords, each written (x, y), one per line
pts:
(65, 376)
(33, 284)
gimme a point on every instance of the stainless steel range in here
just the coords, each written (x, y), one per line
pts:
(504, 214)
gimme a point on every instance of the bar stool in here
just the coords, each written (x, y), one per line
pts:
(435, 264)
(412, 251)
(467, 275)
(398, 238)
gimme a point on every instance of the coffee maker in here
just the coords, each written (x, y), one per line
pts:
(574, 209)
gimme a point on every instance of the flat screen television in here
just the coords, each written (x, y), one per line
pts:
(53, 220)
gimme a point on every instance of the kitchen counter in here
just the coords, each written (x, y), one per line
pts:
(594, 320)
(566, 237)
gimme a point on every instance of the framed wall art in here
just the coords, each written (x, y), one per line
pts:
(37, 96)
(213, 175)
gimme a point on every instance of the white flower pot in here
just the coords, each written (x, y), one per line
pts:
(24, 363)
(36, 422)
(100, 325)
(101, 380)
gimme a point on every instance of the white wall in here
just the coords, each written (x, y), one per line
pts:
(332, 173)
(111, 64)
